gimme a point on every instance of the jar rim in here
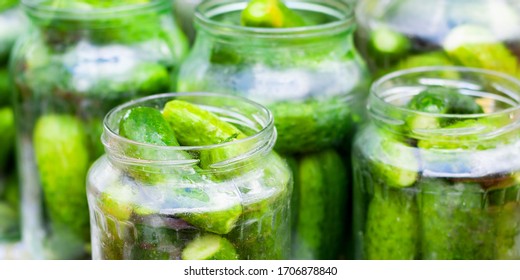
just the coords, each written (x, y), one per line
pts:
(37, 9)
(343, 12)
(266, 129)
(376, 96)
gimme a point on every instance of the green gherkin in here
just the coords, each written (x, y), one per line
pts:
(312, 125)
(392, 225)
(209, 247)
(321, 210)
(454, 223)
(475, 46)
(62, 157)
(270, 14)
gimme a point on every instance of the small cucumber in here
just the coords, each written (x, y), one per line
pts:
(147, 125)
(392, 226)
(219, 219)
(62, 158)
(396, 164)
(270, 14)
(475, 46)
(209, 247)
(195, 126)
(322, 205)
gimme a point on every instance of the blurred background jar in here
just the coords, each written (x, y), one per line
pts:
(400, 34)
(184, 11)
(12, 24)
(437, 167)
(209, 201)
(313, 80)
(80, 59)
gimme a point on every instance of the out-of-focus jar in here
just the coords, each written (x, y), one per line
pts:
(401, 34)
(166, 202)
(12, 24)
(313, 80)
(184, 12)
(80, 59)
(437, 168)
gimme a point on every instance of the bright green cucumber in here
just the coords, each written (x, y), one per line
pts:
(322, 206)
(475, 46)
(209, 247)
(270, 14)
(195, 126)
(62, 158)
(392, 226)
(454, 222)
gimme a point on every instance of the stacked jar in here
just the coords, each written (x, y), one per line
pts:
(190, 176)
(401, 34)
(80, 59)
(12, 23)
(313, 80)
(436, 169)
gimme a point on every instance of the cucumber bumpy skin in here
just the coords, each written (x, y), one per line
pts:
(195, 126)
(270, 14)
(396, 164)
(321, 209)
(439, 100)
(62, 158)
(147, 125)
(310, 126)
(455, 225)
(392, 226)
(475, 46)
(209, 247)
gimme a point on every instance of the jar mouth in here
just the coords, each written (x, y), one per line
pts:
(42, 9)
(261, 122)
(498, 94)
(342, 13)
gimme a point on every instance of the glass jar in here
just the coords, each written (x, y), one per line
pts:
(432, 185)
(78, 61)
(401, 34)
(314, 82)
(184, 11)
(12, 23)
(157, 205)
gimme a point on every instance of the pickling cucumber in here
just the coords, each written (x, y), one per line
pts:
(392, 225)
(209, 247)
(322, 206)
(62, 158)
(270, 14)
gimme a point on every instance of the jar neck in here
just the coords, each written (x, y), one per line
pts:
(232, 155)
(498, 94)
(336, 30)
(44, 14)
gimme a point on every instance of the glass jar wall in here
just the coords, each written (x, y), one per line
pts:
(184, 11)
(436, 169)
(80, 59)
(222, 201)
(12, 23)
(400, 34)
(314, 82)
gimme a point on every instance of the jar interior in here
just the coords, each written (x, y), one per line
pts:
(251, 119)
(493, 94)
(324, 12)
